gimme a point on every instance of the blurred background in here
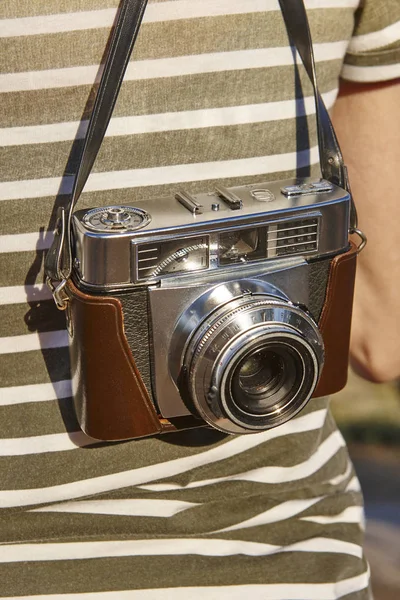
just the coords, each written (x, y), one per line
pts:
(368, 415)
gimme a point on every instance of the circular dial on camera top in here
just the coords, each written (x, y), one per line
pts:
(116, 218)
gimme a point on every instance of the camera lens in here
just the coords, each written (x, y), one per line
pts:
(268, 380)
(259, 377)
(252, 364)
(259, 374)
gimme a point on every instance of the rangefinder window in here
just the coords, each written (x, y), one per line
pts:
(242, 246)
(293, 237)
(277, 239)
(155, 259)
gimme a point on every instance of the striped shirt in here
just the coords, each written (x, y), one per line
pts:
(208, 96)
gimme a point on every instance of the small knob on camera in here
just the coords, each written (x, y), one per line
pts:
(115, 219)
(116, 216)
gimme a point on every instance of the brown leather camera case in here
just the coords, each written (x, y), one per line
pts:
(111, 400)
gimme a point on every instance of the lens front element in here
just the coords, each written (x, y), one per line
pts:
(258, 377)
(253, 364)
(281, 386)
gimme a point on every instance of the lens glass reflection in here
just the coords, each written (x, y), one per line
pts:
(265, 379)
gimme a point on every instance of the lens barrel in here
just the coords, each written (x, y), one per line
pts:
(253, 363)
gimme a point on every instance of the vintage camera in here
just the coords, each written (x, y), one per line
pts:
(229, 309)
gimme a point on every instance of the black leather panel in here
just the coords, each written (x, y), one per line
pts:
(318, 281)
(134, 306)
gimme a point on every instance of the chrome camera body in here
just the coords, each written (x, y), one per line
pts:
(221, 295)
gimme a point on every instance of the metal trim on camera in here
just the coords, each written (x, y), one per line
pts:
(115, 245)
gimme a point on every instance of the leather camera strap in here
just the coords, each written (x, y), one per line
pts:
(331, 160)
(58, 265)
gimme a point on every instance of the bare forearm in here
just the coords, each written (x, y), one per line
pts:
(367, 121)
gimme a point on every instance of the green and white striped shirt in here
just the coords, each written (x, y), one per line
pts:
(208, 96)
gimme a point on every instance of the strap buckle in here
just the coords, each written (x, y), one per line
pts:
(59, 294)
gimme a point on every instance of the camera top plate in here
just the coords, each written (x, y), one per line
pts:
(179, 235)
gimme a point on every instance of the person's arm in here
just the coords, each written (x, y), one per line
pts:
(367, 121)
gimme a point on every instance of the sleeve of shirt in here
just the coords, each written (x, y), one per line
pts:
(374, 50)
